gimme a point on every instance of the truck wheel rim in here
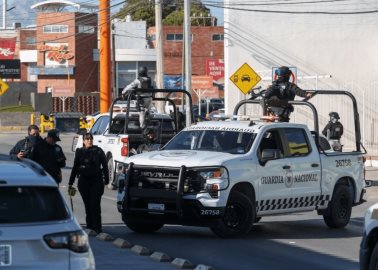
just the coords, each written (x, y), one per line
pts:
(342, 207)
(234, 215)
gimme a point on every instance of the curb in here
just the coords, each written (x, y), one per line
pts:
(144, 251)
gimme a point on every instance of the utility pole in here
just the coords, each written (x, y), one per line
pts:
(188, 57)
(105, 81)
(4, 14)
(159, 52)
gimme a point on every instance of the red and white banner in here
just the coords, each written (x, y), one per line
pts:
(7, 48)
(215, 68)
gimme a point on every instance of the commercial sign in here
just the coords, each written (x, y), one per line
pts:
(55, 53)
(215, 68)
(202, 82)
(10, 69)
(245, 78)
(7, 48)
(173, 81)
(63, 92)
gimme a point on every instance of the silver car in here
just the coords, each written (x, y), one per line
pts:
(37, 228)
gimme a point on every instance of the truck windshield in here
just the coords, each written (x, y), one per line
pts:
(210, 140)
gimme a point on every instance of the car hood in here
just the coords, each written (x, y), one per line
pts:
(177, 158)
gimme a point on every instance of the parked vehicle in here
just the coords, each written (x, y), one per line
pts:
(38, 230)
(369, 242)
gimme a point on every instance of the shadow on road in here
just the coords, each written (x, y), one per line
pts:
(269, 245)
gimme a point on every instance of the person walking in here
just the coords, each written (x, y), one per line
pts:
(92, 170)
(24, 147)
(50, 155)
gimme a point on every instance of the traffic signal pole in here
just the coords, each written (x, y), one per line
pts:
(105, 78)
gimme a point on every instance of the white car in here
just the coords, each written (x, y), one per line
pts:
(37, 228)
(369, 243)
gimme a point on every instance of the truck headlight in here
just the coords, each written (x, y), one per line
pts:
(214, 173)
(213, 180)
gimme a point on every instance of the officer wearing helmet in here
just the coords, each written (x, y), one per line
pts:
(149, 141)
(142, 82)
(282, 91)
(334, 129)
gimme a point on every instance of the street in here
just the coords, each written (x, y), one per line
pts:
(295, 241)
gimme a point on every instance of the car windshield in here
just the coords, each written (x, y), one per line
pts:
(31, 204)
(232, 142)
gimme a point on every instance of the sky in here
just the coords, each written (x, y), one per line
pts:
(24, 14)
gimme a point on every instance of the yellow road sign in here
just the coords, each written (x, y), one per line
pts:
(3, 87)
(245, 78)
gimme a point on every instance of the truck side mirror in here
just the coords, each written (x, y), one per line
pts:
(270, 154)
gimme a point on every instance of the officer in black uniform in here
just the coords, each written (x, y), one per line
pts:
(50, 155)
(24, 147)
(282, 91)
(149, 142)
(92, 170)
(334, 129)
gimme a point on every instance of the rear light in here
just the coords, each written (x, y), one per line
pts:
(125, 147)
(76, 241)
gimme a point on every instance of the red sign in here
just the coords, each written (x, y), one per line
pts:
(215, 68)
(202, 82)
(58, 54)
(7, 48)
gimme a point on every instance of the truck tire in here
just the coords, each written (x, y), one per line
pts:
(238, 219)
(111, 185)
(373, 264)
(143, 227)
(339, 209)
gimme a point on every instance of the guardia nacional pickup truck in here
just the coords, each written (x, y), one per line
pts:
(228, 174)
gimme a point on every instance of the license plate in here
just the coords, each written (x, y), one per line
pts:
(5, 255)
(156, 206)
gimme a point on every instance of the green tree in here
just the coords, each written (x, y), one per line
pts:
(173, 12)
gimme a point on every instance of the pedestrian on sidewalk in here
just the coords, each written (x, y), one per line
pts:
(24, 147)
(91, 167)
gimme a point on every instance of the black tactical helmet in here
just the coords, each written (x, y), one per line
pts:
(143, 71)
(334, 115)
(283, 74)
(149, 134)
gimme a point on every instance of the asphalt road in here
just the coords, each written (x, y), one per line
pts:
(296, 241)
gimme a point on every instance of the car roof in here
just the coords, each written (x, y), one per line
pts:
(24, 173)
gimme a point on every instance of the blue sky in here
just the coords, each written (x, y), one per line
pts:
(24, 14)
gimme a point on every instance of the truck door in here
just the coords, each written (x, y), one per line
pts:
(98, 130)
(304, 162)
(274, 189)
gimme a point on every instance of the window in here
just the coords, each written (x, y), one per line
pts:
(175, 37)
(218, 37)
(87, 29)
(96, 128)
(271, 140)
(209, 140)
(55, 29)
(31, 204)
(297, 142)
(30, 41)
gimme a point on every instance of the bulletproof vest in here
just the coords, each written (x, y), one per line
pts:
(89, 163)
(145, 82)
(335, 131)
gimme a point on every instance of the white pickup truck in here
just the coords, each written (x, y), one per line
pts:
(228, 174)
(117, 137)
